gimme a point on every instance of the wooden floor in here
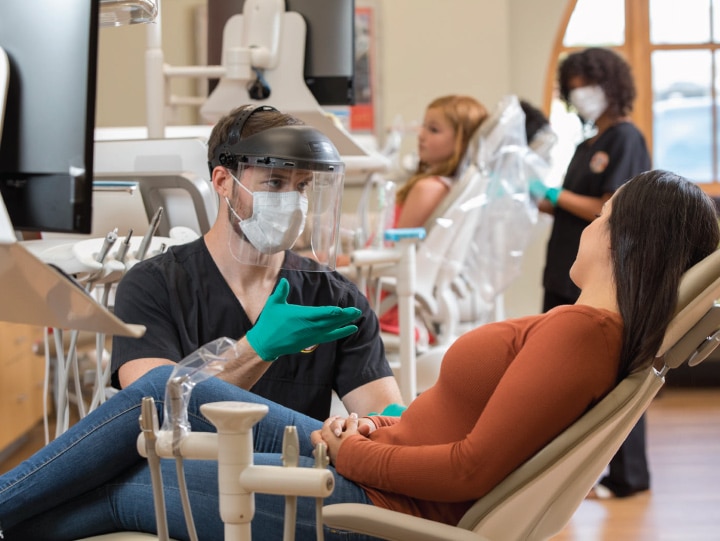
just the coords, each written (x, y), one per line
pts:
(684, 454)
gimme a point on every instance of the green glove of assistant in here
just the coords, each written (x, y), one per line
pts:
(538, 190)
(284, 328)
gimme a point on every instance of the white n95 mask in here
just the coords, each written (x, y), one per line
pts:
(589, 101)
(278, 219)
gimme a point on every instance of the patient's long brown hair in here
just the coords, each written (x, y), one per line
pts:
(661, 224)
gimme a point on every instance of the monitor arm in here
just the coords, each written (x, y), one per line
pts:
(247, 53)
(6, 230)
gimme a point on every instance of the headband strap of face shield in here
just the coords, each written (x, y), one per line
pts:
(303, 214)
(295, 146)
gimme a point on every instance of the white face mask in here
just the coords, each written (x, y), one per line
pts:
(589, 101)
(278, 219)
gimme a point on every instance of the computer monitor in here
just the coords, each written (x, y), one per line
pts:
(46, 151)
(329, 48)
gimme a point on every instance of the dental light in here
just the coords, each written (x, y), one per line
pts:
(124, 12)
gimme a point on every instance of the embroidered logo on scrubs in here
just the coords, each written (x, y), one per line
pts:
(309, 349)
(599, 162)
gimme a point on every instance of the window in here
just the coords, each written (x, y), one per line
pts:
(675, 57)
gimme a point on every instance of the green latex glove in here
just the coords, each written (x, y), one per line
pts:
(284, 328)
(391, 410)
(538, 190)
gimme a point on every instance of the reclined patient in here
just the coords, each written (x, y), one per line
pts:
(504, 391)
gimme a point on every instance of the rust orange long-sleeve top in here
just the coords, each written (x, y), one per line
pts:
(504, 391)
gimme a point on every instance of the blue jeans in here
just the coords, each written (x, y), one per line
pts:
(91, 479)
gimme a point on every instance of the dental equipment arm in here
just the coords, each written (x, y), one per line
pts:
(232, 447)
(290, 457)
(145, 243)
(108, 243)
(321, 461)
(123, 249)
(200, 365)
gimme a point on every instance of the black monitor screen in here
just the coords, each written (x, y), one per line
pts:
(46, 151)
(329, 49)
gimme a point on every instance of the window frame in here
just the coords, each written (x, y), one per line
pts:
(637, 50)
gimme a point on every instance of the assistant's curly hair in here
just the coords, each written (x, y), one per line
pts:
(603, 67)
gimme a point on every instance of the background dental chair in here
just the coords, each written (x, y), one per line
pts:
(474, 245)
(537, 500)
(414, 275)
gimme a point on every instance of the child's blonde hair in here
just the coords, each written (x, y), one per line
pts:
(465, 115)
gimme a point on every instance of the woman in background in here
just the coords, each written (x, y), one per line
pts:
(599, 85)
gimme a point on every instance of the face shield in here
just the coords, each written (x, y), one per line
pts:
(286, 201)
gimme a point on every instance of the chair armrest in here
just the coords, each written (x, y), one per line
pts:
(391, 525)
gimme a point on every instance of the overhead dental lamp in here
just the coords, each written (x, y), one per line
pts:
(124, 12)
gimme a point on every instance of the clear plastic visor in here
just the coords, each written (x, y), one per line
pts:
(285, 218)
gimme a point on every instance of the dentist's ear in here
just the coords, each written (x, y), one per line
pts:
(221, 180)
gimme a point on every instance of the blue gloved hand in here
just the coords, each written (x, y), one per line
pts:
(284, 328)
(538, 190)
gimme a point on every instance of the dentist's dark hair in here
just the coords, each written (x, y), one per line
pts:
(661, 224)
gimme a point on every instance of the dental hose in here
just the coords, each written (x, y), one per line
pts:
(175, 393)
(187, 511)
(198, 366)
(149, 427)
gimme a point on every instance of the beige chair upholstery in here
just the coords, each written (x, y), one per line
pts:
(538, 499)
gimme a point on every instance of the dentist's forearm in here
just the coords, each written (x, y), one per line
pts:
(247, 367)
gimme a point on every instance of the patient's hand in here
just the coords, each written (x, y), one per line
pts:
(336, 429)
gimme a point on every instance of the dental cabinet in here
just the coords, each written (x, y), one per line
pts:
(21, 382)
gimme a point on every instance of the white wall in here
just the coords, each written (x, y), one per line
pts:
(485, 48)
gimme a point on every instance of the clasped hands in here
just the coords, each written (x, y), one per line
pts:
(337, 429)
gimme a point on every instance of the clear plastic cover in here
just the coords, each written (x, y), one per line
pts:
(376, 210)
(205, 362)
(275, 210)
(124, 12)
(508, 213)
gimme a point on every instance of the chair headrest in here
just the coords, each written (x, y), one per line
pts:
(699, 289)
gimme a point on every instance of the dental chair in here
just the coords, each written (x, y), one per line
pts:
(472, 250)
(537, 500)
(413, 273)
